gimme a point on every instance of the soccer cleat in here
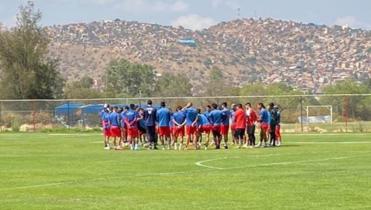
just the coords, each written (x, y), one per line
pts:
(226, 147)
(107, 148)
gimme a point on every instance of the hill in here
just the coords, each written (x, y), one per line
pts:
(305, 56)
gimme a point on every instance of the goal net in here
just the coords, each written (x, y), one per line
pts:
(322, 114)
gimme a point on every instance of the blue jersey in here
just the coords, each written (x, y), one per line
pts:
(264, 116)
(191, 115)
(226, 116)
(216, 117)
(269, 117)
(123, 118)
(105, 117)
(171, 124)
(114, 119)
(179, 117)
(163, 117)
(203, 120)
(101, 114)
(131, 116)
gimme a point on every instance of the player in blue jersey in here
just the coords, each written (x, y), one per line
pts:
(191, 124)
(104, 116)
(124, 133)
(264, 125)
(224, 129)
(216, 121)
(179, 121)
(132, 126)
(204, 127)
(142, 127)
(115, 131)
(163, 117)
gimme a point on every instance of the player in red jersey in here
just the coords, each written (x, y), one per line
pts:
(240, 124)
(252, 118)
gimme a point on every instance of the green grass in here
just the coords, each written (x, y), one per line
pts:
(43, 171)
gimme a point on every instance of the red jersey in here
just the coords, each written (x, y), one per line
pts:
(240, 119)
(252, 118)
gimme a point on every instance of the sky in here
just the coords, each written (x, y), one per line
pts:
(195, 14)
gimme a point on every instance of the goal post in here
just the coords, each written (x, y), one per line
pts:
(320, 117)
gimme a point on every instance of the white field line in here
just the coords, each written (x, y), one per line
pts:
(297, 142)
(74, 134)
(202, 163)
(329, 142)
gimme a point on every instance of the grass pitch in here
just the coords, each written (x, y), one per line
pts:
(43, 171)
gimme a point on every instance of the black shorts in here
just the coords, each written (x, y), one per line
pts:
(240, 133)
(142, 130)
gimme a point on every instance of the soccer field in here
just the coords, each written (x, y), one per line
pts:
(45, 171)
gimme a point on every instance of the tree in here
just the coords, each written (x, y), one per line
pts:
(355, 106)
(170, 85)
(216, 86)
(82, 89)
(27, 72)
(125, 79)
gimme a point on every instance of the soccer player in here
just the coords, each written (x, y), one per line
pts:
(163, 118)
(216, 122)
(264, 125)
(224, 129)
(115, 131)
(150, 114)
(233, 127)
(273, 124)
(142, 127)
(191, 124)
(240, 124)
(179, 121)
(105, 118)
(252, 118)
(124, 133)
(204, 126)
(132, 126)
(278, 126)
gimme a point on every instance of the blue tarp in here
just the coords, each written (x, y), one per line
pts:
(188, 41)
(92, 108)
(64, 109)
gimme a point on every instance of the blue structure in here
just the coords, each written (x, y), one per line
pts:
(67, 108)
(65, 113)
(189, 42)
(92, 108)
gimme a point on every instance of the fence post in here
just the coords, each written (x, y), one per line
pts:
(346, 112)
(1, 114)
(301, 114)
(68, 114)
(34, 116)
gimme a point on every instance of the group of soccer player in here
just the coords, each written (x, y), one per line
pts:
(137, 127)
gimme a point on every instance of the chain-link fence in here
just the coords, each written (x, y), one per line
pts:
(299, 113)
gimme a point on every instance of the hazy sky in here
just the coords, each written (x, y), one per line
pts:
(196, 14)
